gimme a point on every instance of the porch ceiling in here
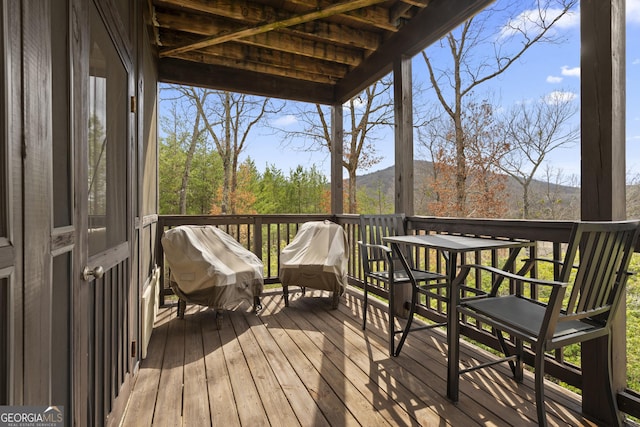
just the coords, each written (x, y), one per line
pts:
(309, 50)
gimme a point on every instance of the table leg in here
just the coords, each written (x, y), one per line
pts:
(453, 350)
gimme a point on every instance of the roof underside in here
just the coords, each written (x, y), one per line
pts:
(309, 50)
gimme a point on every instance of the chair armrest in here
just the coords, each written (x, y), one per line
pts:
(466, 268)
(372, 246)
(552, 261)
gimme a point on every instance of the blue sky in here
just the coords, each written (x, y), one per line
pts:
(545, 70)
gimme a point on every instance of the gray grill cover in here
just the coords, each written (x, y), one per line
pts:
(316, 258)
(209, 267)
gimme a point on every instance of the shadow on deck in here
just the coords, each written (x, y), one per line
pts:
(312, 366)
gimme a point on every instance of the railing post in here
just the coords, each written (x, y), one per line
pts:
(257, 237)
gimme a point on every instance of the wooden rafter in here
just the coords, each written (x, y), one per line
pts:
(400, 9)
(284, 40)
(268, 61)
(291, 21)
(323, 51)
(373, 15)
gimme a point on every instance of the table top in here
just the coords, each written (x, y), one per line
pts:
(454, 243)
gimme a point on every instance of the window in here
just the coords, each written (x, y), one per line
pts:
(107, 141)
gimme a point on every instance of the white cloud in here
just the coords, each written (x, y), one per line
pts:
(528, 20)
(570, 20)
(571, 72)
(633, 11)
(286, 120)
(358, 103)
(558, 96)
(554, 79)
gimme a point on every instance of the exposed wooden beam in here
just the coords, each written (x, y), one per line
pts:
(266, 60)
(172, 70)
(400, 9)
(293, 20)
(239, 10)
(256, 66)
(283, 40)
(340, 34)
(418, 3)
(322, 31)
(427, 27)
(373, 15)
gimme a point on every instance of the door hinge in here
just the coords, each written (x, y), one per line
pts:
(133, 104)
(133, 349)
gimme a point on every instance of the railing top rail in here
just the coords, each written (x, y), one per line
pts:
(541, 230)
(550, 231)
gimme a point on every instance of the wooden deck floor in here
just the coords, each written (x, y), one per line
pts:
(309, 365)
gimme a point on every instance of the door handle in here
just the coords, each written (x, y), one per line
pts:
(96, 273)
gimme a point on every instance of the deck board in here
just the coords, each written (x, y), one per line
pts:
(195, 409)
(309, 365)
(220, 393)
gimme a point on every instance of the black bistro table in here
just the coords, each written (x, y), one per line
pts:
(451, 246)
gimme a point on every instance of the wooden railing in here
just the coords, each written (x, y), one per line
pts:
(267, 235)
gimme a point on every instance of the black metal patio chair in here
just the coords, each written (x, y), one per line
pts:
(581, 304)
(380, 264)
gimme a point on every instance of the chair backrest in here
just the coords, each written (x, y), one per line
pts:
(372, 229)
(601, 251)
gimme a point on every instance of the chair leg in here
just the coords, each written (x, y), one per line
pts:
(453, 383)
(257, 305)
(412, 309)
(182, 307)
(392, 322)
(539, 385)
(335, 300)
(516, 367)
(364, 307)
(519, 365)
(611, 394)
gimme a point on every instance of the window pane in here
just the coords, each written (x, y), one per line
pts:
(3, 135)
(61, 141)
(4, 345)
(107, 151)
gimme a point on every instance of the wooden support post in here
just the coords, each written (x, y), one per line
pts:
(403, 112)
(603, 174)
(337, 149)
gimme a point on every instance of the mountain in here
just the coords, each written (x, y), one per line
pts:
(551, 201)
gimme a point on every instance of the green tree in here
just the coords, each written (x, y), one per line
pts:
(305, 189)
(189, 171)
(271, 188)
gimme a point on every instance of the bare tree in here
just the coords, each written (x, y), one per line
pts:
(633, 196)
(366, 112)
(532, 131)
(554, 198)
(228, 119)
(477, 54)
(484, 147)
